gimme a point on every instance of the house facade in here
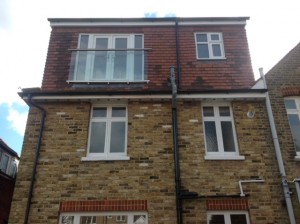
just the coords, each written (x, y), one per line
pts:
(283, 82)
(8, 168)
(148, 120)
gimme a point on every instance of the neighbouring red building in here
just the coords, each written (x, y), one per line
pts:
(9, 160)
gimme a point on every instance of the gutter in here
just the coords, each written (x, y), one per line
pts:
(284, 182)
(37, 153)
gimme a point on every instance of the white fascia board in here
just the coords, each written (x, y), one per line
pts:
(218, 96)
(155, 23)
(211, 23)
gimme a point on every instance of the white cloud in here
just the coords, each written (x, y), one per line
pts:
(17, 120)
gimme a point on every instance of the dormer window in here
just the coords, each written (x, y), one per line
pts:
(209, 46)
(108, 58)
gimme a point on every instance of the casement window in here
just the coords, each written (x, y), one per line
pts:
(230, 217)
(4, 163)
(8, 164)
(209, 46)
(104, 218)
(219, 132)
(108, 58)
(108, 133)
(292, 106)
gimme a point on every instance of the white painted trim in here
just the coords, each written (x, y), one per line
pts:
(153, 23)
(222, 157)
(219, 96)
(105, 158)
(297, 158)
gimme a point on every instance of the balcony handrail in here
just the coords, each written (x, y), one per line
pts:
(111, 49)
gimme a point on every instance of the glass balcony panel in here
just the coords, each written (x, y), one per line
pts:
(108, 65)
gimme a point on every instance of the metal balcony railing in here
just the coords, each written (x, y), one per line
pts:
(108, 65)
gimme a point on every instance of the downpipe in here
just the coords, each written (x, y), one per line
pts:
(37, 153)
(175, 145)
(284, 181)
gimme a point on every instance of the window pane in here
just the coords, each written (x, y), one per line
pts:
(211, 136)
(138, 41)
(203, 51)
(139, 219)
(138, 58)
(88, 220)
(82, 58)
(99, 112)
(84, 39)
(214, 37)
(120, 59)
(201, 37)
(100, 59)
(67, 219)
(13, 167)
(216, 48)
(295, 129)
(238, 219)
(119, 112)
(227, 134)
(117, 139)
(290, 104)
(97, 140)
(208, 111)
(224, 111)
(217, 219)
(4, 163)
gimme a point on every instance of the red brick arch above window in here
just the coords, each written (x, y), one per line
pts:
(104, 205)
(290, 91)
(227, 204)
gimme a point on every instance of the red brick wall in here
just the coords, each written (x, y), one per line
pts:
(105, 205)
(234, 72)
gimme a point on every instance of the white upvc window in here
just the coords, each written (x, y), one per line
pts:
(209, 46)
(292, 105)
(108, 133)
(104, 217)
(4, 163)
(109, 58)
(228, 217)
(219, 132)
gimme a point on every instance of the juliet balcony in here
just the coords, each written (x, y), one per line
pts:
(108, 65)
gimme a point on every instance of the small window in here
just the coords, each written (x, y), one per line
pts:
(108, 132)
(219, 132)
(292, 106)
(228, 218)
(209, 46)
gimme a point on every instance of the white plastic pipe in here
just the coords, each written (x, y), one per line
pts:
(247, 181)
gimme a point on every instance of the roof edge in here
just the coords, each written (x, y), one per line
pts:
(158, 21)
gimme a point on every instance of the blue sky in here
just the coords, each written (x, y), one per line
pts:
(24, 35)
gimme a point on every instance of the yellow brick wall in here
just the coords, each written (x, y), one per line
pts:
(149, 174)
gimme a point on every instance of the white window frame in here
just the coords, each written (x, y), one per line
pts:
(227, 215)
(7, 168)
(220, 154)
(107, 155)
(115, 214)
(210, 43)
(294, 112)
(110, 62)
